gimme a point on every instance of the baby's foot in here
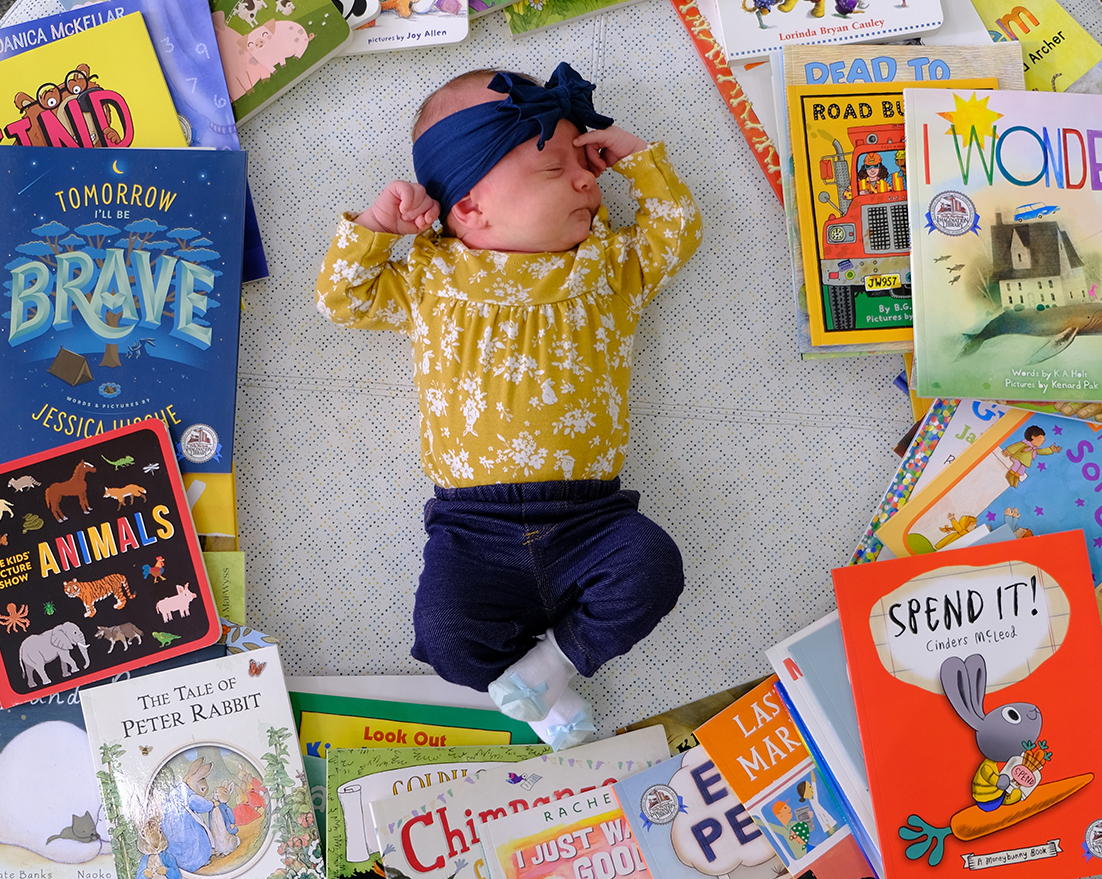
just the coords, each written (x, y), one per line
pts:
(568, 723)
(529, 687)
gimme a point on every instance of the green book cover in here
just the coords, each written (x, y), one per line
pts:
(355, 777)
(529, 16)
(267, 48)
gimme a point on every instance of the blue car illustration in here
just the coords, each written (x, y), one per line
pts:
(1033, 210)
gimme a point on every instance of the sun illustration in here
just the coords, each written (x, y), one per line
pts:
(971, 119)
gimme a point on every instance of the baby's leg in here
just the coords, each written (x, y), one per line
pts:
(478, 608)
(627, 573)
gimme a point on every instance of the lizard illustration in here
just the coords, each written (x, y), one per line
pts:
(124, 461)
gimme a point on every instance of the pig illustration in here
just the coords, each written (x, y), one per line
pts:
(242, 70)
(274, 42)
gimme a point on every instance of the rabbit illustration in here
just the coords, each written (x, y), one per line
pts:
(189, 841)
(1002, 734)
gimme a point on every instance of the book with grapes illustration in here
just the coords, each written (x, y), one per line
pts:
(970, 670)
(100, 566)
(200, 773)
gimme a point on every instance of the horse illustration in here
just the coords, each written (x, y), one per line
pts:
(73, 487)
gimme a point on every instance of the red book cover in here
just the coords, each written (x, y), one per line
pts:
(100, 568)
(972, 673)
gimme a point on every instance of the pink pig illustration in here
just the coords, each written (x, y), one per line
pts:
(274, 42)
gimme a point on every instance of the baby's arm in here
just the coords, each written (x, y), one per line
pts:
(604, 147)
(402, 208)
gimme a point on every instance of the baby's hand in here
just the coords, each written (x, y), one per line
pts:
(402, 208)
(604, 147)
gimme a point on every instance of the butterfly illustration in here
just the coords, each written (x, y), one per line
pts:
(255, 668)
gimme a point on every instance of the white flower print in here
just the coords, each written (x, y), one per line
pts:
(666, 210)
(457, 462)
(542, 267)
(474, 404)
(523, 452)
(352, 272)
(516, 366)
(576, 420)
(503, 413)
(569, 358)
(346, 233)
(436, 401)
(615, 401)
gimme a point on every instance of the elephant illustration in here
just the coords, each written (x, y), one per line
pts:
(55, 643)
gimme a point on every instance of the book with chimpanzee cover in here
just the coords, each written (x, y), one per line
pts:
(122, 275)
(100, 566)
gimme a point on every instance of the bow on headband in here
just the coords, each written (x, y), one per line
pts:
(451, 156)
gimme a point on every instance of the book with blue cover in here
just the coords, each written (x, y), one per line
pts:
(182, 33)
(121, 285)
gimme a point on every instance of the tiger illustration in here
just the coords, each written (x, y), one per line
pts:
(91, 591)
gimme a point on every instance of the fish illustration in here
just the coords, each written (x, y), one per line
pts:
(955, 268)
(1061, 325)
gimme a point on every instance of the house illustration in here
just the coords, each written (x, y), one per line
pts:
(1035, 264)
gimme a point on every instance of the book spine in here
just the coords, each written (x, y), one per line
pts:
(715, 62)
(869, 847)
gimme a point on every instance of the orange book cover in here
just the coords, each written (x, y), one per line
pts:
(972, 671)
(759, 753)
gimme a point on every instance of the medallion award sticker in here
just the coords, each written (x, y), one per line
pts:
(952, 213)
(1092, 843)
(659, 804)
(199, 443)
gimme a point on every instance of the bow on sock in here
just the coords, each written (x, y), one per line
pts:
(523, 691)
(451, 156)
(560, 733)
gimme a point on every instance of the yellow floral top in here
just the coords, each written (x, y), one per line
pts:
(521, 360)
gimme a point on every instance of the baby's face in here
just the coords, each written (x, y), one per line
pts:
(535, 201)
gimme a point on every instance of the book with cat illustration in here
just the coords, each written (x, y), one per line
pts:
(200, 773)
(99, 563)
(61, 831)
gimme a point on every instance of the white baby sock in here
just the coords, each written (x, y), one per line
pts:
(529, 687)
(568, 723)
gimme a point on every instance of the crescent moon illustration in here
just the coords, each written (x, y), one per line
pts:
(115, 166)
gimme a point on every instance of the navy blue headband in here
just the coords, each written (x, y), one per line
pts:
(451, 156)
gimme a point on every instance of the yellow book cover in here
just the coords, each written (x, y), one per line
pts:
(98, 87)
(850, 183)
(1056, 51)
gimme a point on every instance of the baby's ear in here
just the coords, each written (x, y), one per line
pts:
(465, 214)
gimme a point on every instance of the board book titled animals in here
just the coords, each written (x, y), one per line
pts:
(764, 762)
(357, 777)
(122, 276)
(267, 47)
(1005, 217)
(689, 824)
(850, 181)
(971, 674)
(200, 773)
(437, 833)
(101, 570)
(857, 66)
(82, 91)
(752, 28)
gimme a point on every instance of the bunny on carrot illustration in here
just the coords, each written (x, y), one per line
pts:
(1006, 736)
